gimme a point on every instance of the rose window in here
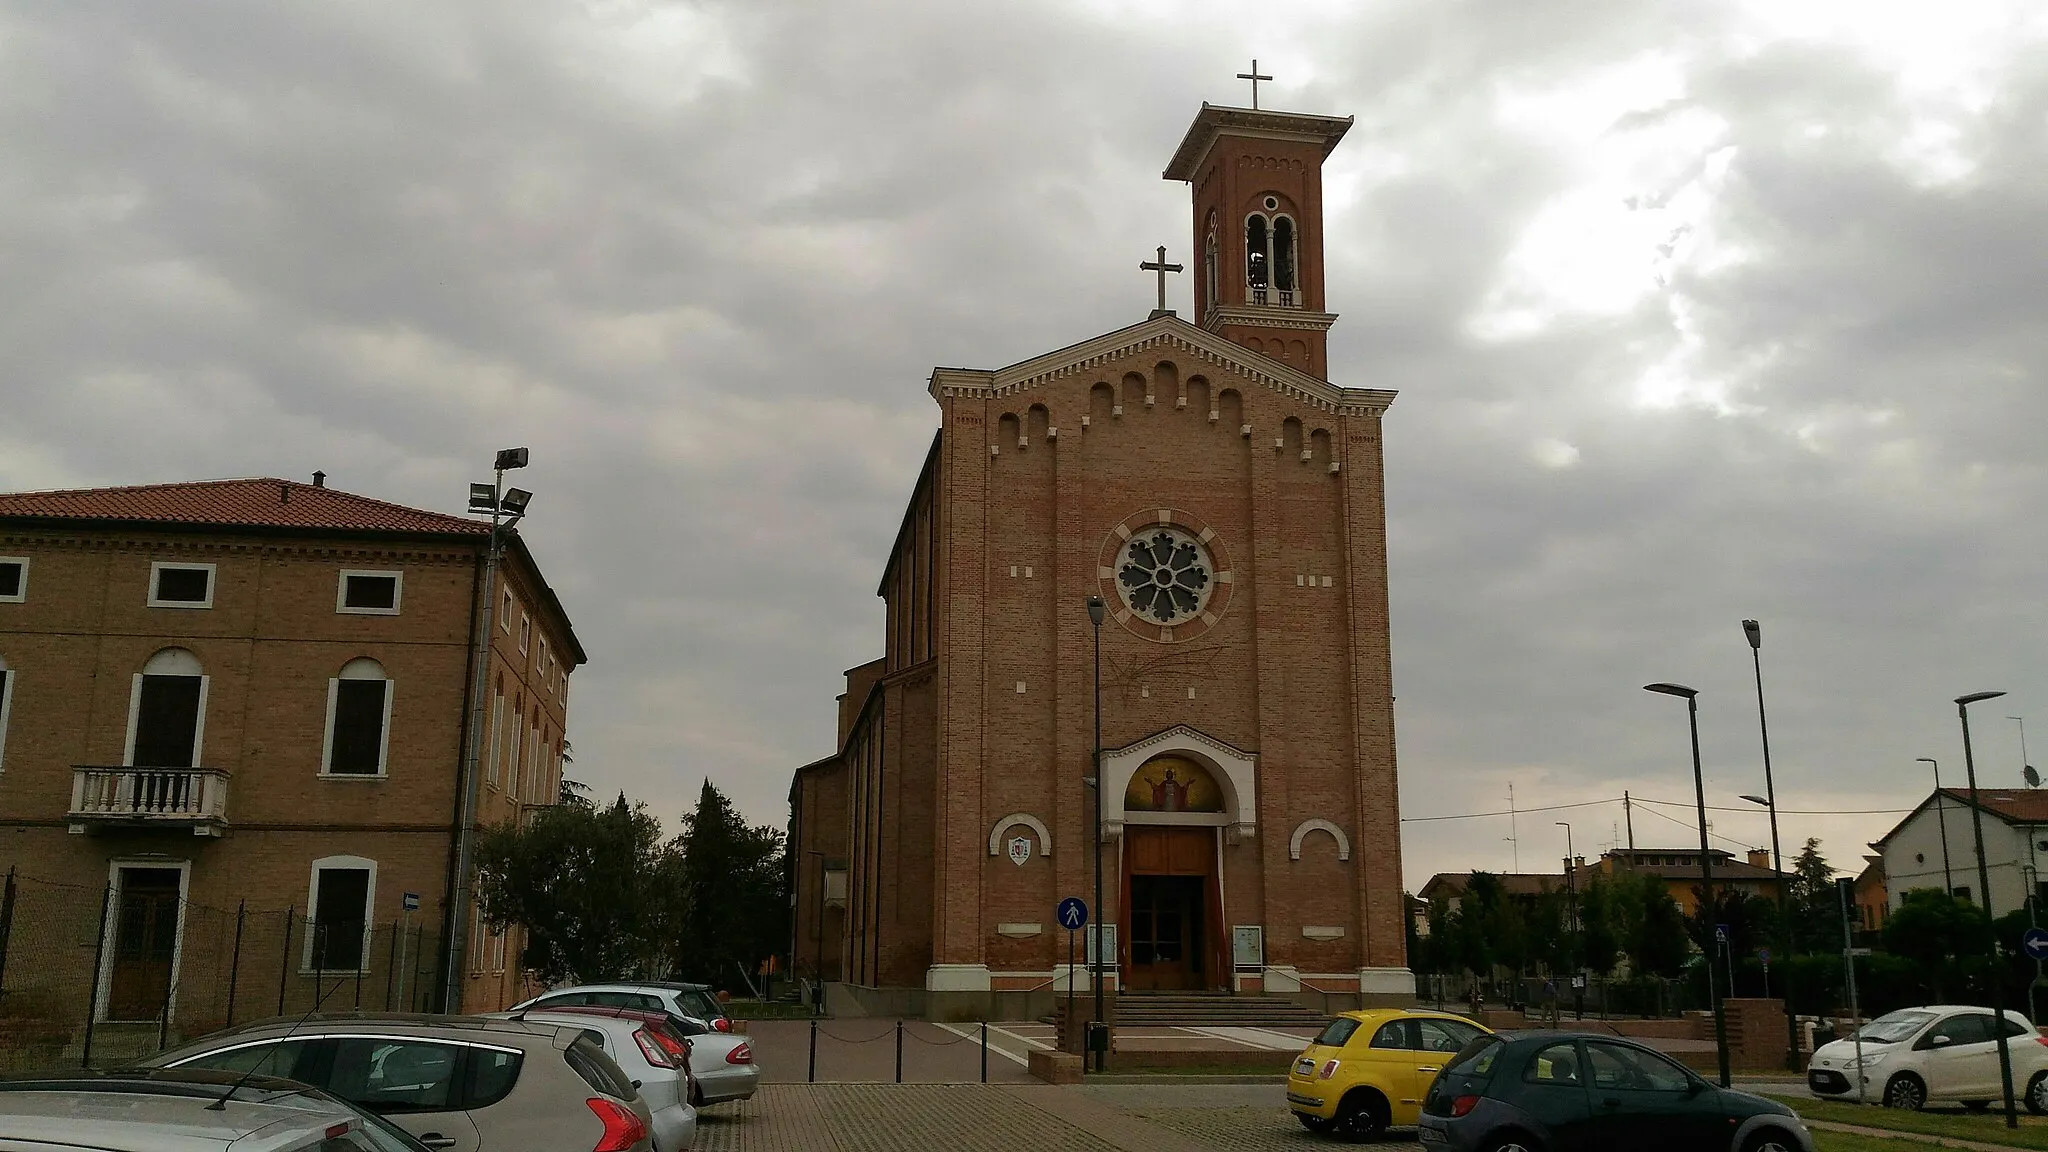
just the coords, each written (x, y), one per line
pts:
(1164, 575)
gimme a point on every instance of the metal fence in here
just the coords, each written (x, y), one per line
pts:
(89, 980)
(1600, 996)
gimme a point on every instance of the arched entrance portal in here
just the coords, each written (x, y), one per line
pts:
(1173, 815)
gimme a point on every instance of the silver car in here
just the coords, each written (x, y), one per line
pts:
(722, 1060)
(653, 1054)
(455, 1082)
(121, 1114)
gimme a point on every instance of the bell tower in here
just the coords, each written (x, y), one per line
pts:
(1257, 177)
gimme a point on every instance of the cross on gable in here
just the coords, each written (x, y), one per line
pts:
(1162, 268)
(1254, 76)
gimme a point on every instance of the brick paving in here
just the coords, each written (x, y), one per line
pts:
(1006, 1118)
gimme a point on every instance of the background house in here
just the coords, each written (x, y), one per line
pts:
(233, 721)
(1935, 846)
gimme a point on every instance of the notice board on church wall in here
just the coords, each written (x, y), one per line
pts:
(1248, 947)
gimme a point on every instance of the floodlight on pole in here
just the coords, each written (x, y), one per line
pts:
(2012, 1119)
(1757, 800)
(510, 458)
(515, 502)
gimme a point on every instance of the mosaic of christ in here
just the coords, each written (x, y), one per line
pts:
(1173, 784)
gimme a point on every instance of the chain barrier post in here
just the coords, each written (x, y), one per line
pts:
(899, 1051)
(391, 964)
(811, 1077)
(92, 992)
(235, 958)
(984, 1051)
(362, 960)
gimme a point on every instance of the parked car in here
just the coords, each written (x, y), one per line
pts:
(1367, 1071)
(722, 1065)
(1939, 1052)
(651, 1051)
(192, 1111)
(691, 1001)
(456, 1083)
(1566, 1092)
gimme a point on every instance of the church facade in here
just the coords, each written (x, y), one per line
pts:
(1224, 500)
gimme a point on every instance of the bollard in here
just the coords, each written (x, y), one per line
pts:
(984, 1051)
(811, 1077)
(899, 1051)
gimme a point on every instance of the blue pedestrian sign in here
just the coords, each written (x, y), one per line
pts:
(2035, 943)
(1764, 954)
(1073, 914)
(1720, 933)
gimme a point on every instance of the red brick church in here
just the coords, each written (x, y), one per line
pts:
(1224, 498)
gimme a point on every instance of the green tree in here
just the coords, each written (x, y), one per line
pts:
(1816, 909)
(1940, 934)
(580, 880)
(1444, 952)
(1599, 942)
(734, 881)
(1658, 945)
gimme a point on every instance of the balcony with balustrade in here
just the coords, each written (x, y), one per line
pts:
(107, 799)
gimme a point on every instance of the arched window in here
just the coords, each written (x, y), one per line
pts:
(358, 720)
(339, 902)
(1257, 254)
(1284, 260)
(167, 711)
(6, 702)
(1209, 267)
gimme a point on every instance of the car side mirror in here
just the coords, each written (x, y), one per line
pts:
(1694, 1088)
(1939, 1041)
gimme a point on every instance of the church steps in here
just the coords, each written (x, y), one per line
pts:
(1211, 1010)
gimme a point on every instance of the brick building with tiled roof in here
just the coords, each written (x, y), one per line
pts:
(234, 721)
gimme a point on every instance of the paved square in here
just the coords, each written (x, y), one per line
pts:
(1008, 1118)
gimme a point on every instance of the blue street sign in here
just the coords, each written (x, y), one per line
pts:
(1720, 933)
(411, 901)
(1073, 914)
(2035, 942)
(1764, 954)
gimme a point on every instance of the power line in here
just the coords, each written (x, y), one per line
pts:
(1694, 828)
(1784, 811)
(1505, 812)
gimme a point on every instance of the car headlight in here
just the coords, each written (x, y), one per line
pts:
(1867, 1060)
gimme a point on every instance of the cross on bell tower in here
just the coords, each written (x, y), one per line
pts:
(1254, 77)
(1162, 267)
(1257, 178)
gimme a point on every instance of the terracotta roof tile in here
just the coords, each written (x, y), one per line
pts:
(250, 503)
(2017, 805)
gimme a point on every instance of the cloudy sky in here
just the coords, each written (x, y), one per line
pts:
(1697, 312)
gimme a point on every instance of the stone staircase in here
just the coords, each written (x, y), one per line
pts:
(1212, 1009)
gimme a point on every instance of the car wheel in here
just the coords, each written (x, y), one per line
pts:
(1515, 1142)
(1905, 1091)
(1362, 1116)
(1770, 1140)
(2037, 1094)
(1319, 1125)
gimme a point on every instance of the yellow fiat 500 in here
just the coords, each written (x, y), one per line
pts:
(1369, 1071)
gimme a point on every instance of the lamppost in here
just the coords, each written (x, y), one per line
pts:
(1708, 907)
(1948, 878)
(1754, 631)
(2012, 1119)
(506, 506)
(1573, 944)
(1096, 611)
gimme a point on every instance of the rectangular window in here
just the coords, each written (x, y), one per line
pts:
(355, 734)
(476, 942)
(497, 738)
(180, 585)
(505, 614)
(167, 721)
(512, 755)
(525, 631)
(13, 579)
(498, 950)
(368, 593)
(341, 906)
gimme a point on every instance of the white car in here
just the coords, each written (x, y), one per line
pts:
(721, 1060)
(1940, 1052)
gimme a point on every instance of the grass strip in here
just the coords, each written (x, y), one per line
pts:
(1987, 1127)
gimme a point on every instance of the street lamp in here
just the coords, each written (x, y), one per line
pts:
(1948, 879)
(1096, 611)
(2012, 1119)
(505, 507)
(1572, 940)
(1754, 632)
(1708, 908)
